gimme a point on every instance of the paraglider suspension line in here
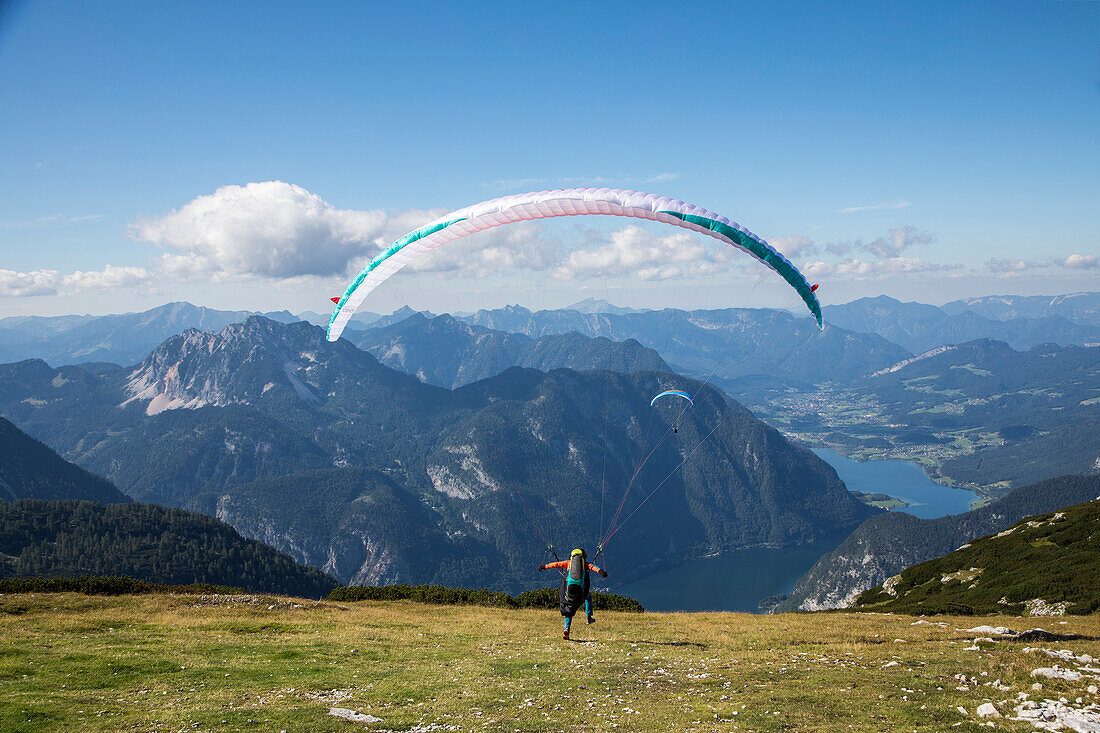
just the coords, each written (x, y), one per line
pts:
(644, 457)
(619, 526)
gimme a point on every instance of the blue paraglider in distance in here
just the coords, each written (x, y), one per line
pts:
(676, 392)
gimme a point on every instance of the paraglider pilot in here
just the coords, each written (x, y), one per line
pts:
(574, 586)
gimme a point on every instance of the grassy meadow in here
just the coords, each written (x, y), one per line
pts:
(174, 662)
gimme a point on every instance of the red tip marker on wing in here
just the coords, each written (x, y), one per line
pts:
(813, 288)
(337, 300)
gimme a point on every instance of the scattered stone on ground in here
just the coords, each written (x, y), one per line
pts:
(224, 599)
(988, 710)
(1029, 635)
(1063, 654)
(1056, 715)
(1056, 673)
(1040, 607)
(353, 716)
(998, 630)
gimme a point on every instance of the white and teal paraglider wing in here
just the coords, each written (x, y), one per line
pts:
(563, 202)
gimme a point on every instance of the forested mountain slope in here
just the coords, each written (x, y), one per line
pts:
(885, 545)
(990, 385)
(1042, 565)
(30, 470)
(147, 542)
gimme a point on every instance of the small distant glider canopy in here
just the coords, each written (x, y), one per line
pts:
(562, 202)
(676, 392)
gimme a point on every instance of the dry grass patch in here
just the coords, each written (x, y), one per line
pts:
(185, 662)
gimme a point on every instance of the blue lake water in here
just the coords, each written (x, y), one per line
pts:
(903, 480)
(736, 581)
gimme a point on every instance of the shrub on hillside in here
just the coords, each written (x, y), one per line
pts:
(441, 595)
(106, 586)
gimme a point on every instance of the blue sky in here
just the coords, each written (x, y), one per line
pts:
(928, 151)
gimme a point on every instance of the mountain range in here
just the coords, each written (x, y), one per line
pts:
(442, 468)
(1020, 321)
(1030, 414)
(918, 327)
(987, 384)
(728, 343)
(1078, 307)
(450, 353)
(125, 338)
(304, 444)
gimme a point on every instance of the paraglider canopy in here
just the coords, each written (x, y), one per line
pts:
(563, 202)
(675, 392)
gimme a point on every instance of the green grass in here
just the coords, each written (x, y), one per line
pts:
(973, 370)
(203, 663)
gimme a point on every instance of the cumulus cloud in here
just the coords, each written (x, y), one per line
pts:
(1081, 262)
(280, 231)
(19, 284)
(858, 269)
(522, 245)
(52, 282)
(1019, 267)
(899, 204)
(1008, 267)
(636, 251)
(896, 240)
(269, 229)
(793, 246)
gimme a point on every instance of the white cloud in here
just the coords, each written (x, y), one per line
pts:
(1009, 267)
(898, 239)
(20, 284)
(636, 251)
(1017, 267)
(899, 204)
(278, 231)
(793, 245)
(270, 229)
(874, 270)
(52, 282)
(1081, 262)
(522, 245)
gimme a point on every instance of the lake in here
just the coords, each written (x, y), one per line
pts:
(900, 479)
(736, 581)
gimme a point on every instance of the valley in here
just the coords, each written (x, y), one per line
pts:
(259, 419)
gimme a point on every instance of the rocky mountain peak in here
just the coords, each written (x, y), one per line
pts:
(236, 365)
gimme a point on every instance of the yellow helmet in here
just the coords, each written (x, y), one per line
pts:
(578, 551)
